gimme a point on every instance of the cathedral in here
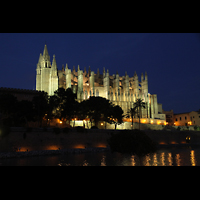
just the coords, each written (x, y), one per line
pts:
(120, 90)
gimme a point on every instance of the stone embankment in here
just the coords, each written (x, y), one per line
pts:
(50, 152)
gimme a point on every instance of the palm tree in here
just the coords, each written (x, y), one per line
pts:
(131, 113)
(138, 105)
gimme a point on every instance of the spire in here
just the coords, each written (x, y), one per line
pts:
(45, 53)
(66, 67)
(40, 59)
(146, 77)
(142, 77)
(54, 65)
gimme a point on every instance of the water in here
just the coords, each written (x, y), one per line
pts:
(163, 157)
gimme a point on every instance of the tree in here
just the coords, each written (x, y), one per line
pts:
(138, 105)
(116, 115)
(132, 142)
(96, 108)
(131, 113)
(8, 108)
(65, 105)
(40, 106)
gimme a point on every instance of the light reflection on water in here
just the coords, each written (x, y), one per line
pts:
(163, 157)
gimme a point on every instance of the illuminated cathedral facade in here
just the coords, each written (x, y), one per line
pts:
(120, 90)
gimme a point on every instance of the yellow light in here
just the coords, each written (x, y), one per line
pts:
(151, 121)
(101, 124)
(60, 122)
(158, 122)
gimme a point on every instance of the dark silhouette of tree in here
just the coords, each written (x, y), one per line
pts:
(8, 109)
(139, 104)
(136, 110)
(131, 113)
(96, 108)
(133, 142)
(100, 109)
(64, 104)
(40, 106)
(116, 115)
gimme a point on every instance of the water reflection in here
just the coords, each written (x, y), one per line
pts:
(170, 159)
(163, 157)
(192, 158)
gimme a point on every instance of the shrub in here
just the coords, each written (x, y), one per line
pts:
(132, 142)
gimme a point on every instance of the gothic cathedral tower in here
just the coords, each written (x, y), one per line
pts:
(46, 74)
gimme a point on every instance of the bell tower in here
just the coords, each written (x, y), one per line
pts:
(46, 75)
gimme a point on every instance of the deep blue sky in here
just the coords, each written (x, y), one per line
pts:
(172, 60)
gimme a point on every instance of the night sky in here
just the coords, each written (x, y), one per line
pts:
(172, 60)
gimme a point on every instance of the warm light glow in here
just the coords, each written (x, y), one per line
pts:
(151, 121)
(190, 123)
(101, 123)
(188, 138)
(192, 158)
(52, 147)
(162, 142)
(60, 122)
(144, 121)
(158, 122)
(101, 145)
(79, 146)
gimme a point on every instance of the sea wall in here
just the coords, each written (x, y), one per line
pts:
(38, 139)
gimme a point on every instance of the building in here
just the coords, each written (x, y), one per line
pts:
(169, 117)
(187, 119)
(120, 90)
(21, 94)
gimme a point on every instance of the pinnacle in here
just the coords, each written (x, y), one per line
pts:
(45, 52)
